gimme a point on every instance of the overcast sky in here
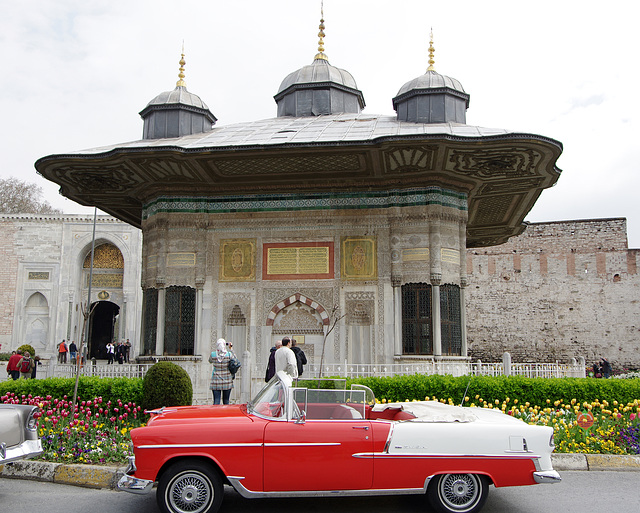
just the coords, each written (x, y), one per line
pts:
(77, 72)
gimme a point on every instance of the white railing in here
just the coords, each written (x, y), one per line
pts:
(530, 370)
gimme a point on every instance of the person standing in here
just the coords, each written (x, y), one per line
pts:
(606, 368)
(271, 364)
(25, 365)
(301, 358)
(73, 352)
(127, 350)
(221, 379)
(62, 352)
(110, 352)
(286, 359)
(12, 365)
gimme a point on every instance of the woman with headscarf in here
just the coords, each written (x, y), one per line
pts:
(221, 379)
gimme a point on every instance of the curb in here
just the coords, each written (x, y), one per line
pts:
(595, 462)
(99, 476)
(90, 476)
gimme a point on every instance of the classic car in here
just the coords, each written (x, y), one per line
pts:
(18, 432)
(335, 442)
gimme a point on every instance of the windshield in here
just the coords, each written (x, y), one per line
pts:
(270, 400)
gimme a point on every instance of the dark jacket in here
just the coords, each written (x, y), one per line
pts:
(301, 358)
(271, 366)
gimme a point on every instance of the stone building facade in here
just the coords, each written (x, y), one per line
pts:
(559, 290)
(45, 276)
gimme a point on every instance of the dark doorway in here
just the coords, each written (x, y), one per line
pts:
(101, 326)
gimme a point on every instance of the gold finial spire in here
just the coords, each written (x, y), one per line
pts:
(321, 54)
(431, 50)
(181, 82)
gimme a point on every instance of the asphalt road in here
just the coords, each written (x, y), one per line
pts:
(579, 492)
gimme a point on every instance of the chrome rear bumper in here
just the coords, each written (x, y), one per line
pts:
(547, 476)
(134, 485)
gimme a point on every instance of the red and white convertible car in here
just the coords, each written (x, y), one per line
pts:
(337, 444)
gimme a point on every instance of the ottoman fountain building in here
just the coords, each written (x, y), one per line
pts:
(322, 215)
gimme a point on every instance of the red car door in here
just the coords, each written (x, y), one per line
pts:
(318, 455)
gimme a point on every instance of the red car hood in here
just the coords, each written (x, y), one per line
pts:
(172, 414)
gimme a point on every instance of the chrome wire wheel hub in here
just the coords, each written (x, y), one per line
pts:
(460, 491)
(191, 493)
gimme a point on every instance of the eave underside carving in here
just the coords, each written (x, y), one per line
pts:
(502, 177)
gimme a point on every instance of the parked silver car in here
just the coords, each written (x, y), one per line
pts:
(18, 432)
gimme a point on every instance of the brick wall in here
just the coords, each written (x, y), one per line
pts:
(559, 290)
(8, 271)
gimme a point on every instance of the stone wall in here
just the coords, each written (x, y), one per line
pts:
(559, 290)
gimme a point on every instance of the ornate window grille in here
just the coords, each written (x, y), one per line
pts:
(417, 336)
(450, 323)
(180, 319)
(149, 320)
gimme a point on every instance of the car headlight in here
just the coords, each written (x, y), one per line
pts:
(32, 422)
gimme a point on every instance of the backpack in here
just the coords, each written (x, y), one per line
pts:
(25, 366)
(234, 366)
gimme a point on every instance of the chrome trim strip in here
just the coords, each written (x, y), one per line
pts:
(190, 446)
(132, 484)
(410, 455)
(546, 477)
(387, 444)
(248, 494)
(300, 444)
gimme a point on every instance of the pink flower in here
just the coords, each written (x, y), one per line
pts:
(632, 416)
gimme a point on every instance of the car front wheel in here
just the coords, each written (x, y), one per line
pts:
(458, 493)
(189, 487)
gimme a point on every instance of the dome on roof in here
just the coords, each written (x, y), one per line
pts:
(431, 80)
(318, 89)
(178, 95)
(319, 71)
(432, 98)
(176, 113)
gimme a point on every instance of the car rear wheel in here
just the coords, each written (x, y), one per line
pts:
(189, 487)
(458, 493)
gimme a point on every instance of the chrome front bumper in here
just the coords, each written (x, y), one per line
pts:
(27, 449)
(547, 476)
(128, 483)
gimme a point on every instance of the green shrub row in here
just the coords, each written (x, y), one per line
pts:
(89, 387)
(536, 391)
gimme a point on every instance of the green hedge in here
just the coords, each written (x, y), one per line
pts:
(534, 390)
(110, 389)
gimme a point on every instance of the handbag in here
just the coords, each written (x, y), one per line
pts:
(234, 366)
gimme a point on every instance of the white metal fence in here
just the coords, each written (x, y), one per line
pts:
(530, 370)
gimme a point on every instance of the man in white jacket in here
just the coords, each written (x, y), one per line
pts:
(286, 359)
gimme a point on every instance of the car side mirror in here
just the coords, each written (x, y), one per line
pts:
(302, 417)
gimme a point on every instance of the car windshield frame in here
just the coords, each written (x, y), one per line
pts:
(272, 401)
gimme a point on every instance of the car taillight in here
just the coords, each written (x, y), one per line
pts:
(551, 442)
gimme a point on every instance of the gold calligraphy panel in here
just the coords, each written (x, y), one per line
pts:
(44, 275)
(106, 281)
(451, 256)
(415, 255)
(358, 259)
(237, 260)
(181, 259)
(297, 261)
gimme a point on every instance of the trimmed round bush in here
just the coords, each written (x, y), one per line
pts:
(27, 347)
(166, 384)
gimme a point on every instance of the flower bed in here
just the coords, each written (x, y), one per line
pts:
(96, 431)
